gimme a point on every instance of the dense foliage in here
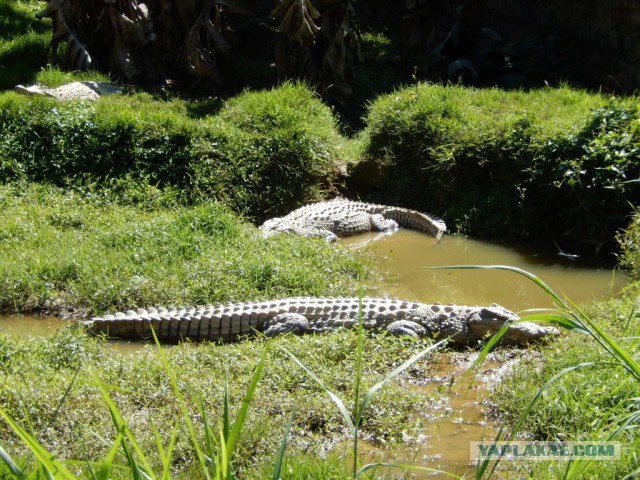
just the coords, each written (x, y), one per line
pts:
(261, 153)
(553, 163)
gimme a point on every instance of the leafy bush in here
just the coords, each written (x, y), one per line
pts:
(508, 164)
(264, 154)
(583, 184)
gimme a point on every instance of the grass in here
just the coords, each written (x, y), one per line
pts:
(141, 395)
(261, 153)
(546, 159)
(587, 393)
(134, 200)
(586, 388)
(23, 43)
(66, 252)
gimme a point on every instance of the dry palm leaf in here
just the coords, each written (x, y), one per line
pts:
(297, 20)
(76, 55)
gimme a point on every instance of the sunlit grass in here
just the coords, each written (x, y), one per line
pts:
(62, 251)
(144, 400)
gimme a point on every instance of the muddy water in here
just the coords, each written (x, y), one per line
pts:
(460, 414)
(29, 326)
(458, 417)
(402, 253)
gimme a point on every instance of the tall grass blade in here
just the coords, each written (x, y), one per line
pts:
(576, 468)
(537, 397)
(556, 320)
(208, 436)
(356, 396)
(121, 427)
(395, 372)
(610, 344)
(246, 403)
(482, 466)
(493, 340)
(223, 471)
(226, 420)
(333, 396)
(49, 463)
(570, 309)
(403, 466)
(104, 472)
(277, 468)
(631, 315)
(11, 465)
(63, 398)
(183, 406)
(165, 455)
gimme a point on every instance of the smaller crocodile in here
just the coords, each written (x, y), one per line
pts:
(343, 218)
(464, 325)
(72, 91)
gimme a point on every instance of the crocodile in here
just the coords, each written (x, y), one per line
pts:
(72, 91)
(225, 322)
(342, 218)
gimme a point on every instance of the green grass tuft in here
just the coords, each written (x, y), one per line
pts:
(545, 163)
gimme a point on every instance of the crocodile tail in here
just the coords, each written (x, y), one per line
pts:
(415, 220)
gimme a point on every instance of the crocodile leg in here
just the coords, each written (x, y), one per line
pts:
(381, 224)
(286, 323)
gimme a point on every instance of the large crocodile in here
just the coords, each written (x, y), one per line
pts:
(342, 218)
(465, 325)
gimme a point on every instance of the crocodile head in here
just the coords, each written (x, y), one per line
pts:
(488, 321)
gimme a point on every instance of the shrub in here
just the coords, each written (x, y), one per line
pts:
(496, 163)
(264, 154)
(582, 184)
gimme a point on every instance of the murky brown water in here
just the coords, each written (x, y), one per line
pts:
(461, 416)
(402, 253)
(29, 326)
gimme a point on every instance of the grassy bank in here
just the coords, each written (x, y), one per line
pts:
(62, 251)
(50, 388)
(552, 163)
(261, 153)
(581, 392)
